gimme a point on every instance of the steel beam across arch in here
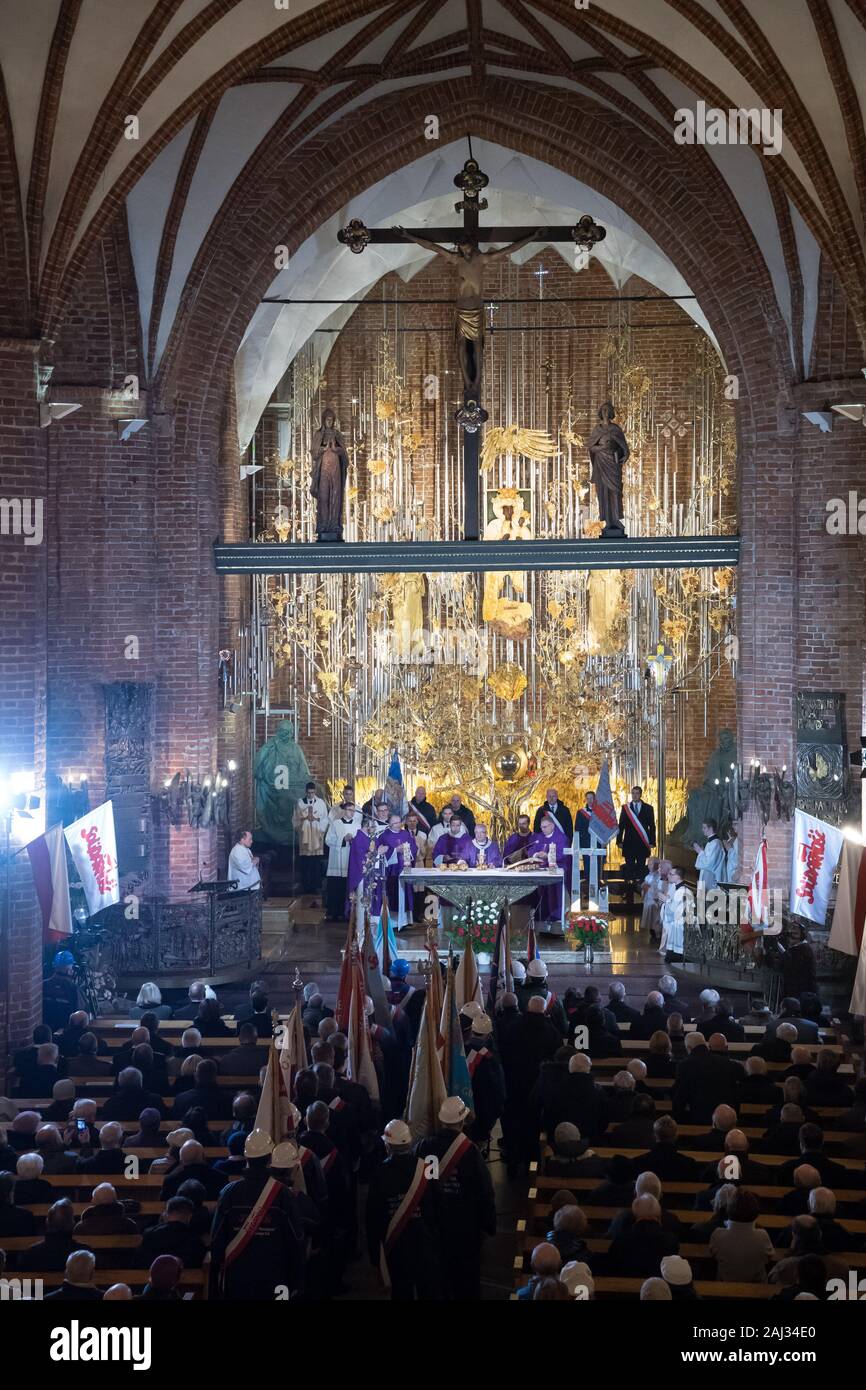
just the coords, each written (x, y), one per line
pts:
(429, 557)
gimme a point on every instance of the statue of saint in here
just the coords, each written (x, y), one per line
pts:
(469, 262)
(609, 451)
(713, 799)
(281, 774)
(328, 480)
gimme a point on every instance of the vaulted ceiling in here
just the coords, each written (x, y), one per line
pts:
(213, 81)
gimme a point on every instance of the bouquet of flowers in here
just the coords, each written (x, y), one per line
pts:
(475, 926)
(586, 930)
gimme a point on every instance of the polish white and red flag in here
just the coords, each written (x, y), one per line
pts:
(47, 854)
(758, 897)
(93, 847)
(816, 850)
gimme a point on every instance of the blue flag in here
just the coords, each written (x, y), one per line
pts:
(394, 792)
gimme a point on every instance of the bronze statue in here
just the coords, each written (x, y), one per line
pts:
(328, 480)
(609, 451)
(469, 262)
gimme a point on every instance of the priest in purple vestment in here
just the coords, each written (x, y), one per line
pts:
(550, 899)
(483, 852)
(358, 851)
(454, 846)
(516, 847)
(401, 852)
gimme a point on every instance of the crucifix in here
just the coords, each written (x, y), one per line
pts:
(469, 327)
(596, 854)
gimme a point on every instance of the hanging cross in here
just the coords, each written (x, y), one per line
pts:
(539, 275)
(660, 663)
(469, 261)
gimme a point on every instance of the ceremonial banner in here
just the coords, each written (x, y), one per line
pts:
(604, 820)
(816, 851)
(758, 898)
(47, 855)
(849, 914)
(467, 985)
(359, 1066)
(93, 848)
(455, 1070)
(394, 792)
(426, 1083)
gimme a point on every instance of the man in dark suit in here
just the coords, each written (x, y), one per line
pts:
(247, 1058)
(172, 1236)
(664, 1158)
(638, 1252)
(552, 806)
(704, 1080)
(723, 1021)
(653, 1019)
(637, 1131)
(791, 1012)
(78, 1285)
(215, 1100)
(130, 1098)
(812, 1153)
(456, 807)
(636, 835)
(622, 1012)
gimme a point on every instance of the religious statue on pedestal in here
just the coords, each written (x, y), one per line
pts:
(281, 774)
(328, 480)
(609, 452)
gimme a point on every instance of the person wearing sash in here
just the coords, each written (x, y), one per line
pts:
(536, 986)
(487, 1076)
(257, 1239)
(559, 814)
(313, 1135)
(582, 823)
(484, 853)
(636, 836)
(711, 862)
(463, 1197)
(421, 807)
(402, 1237)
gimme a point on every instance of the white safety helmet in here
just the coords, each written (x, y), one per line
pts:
(537, 970)
(471, 1009)
(285, 1155)
(397, 1134)
(518, 971)
(258, 1144)
(452, 1111)
(482, 1024)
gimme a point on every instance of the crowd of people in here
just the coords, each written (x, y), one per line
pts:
(289, 1215)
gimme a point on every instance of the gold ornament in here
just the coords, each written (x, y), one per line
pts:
(675, 628)
(690, 583)
(329, 681)
(724, 580)
(377, 467)
(507, 681)
(554, 608)
(593, 529)
(385, 409)
(514, 439)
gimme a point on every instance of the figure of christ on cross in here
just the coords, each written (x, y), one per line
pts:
(469, 263)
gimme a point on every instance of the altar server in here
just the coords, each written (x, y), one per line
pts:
(548, 848)
(440, 827)
(516, 847)
(311, 822)
(338, 838)
(677, 909)
(483, 852)
(453, 847)
(711, 860)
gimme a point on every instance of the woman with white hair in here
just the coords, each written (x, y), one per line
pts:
(149, 1001)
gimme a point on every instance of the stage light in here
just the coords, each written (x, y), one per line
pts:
(22, 782)
(232, 765)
